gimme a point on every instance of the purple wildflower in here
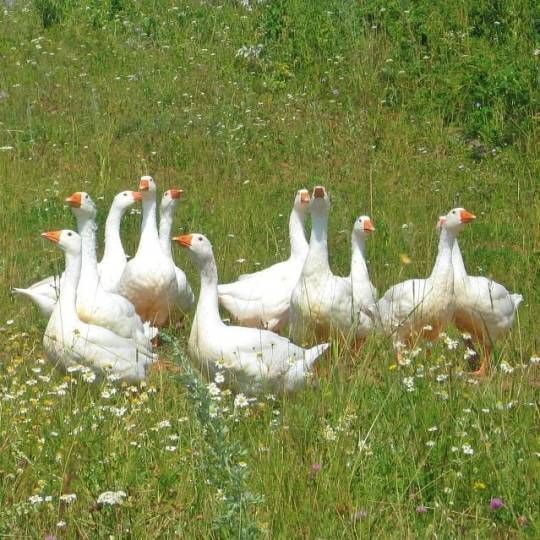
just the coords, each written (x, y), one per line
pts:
(421, 509)
(496, 503)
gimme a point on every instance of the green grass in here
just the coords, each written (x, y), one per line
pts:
(102, 95)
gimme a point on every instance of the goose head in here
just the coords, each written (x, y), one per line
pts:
(198, 245)
(363, 227)
(171, 198)
(302, 200)
(82, 205)
(456, 220)
(147, 187)
(69, 241)
(123, 200)
(320, 202)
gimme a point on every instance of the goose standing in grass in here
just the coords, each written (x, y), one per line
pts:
(262, 299)
(320, 300)
(484, 309)
(114, 257)
(253, 360)
(94, 304)
(70, 342)
(423, 307)
(149, 279)
(45, 293)
(185, 299)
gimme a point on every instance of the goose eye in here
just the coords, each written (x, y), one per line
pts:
(200, 238)
(69, 234)
(124, 194)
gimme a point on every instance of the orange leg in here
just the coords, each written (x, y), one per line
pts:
(484, 364)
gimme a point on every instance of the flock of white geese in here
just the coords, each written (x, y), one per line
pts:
(106, 315)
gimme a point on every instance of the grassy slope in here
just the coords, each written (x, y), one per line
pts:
(96, 101)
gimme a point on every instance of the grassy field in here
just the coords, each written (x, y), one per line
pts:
(403, 111)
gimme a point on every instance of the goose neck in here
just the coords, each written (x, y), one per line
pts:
(443, 274)
(318, 243)
(87, 229)
(359, 269)
(113, 243)
(68, 292)
(458, 265)
(207, 306)
(297, 234)
(149, 232)
(165, 226)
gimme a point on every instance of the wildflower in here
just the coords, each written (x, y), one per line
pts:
(61, 524)
(241, 401)
(408, 382)
(467, 449)
(451, 343)
(35, 499)
(329, 434)
(68, 498)
(433, 428)
(250, 52)
(88, 376)
(469, 353)
(421, 509)
(315, 470)
(111, 498)
(534, 360)
(219, 378)
(522, 521)
(163, 424)
(505, 367)
(430, 444)
(170, 448)
(478, 486)
(213, 389)
(496, 503)
(441, 377)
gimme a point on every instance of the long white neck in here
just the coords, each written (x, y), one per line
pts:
(442, 275)
(359, 269)
(460, 272)
(149, 233)
(114, 250)
(165, 226)
(297, 234)
(67, 302)
(87, 229)
(318, 243)
(207, 307)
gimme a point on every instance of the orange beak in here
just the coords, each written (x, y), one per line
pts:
(176, 193)
(144, 185)
(184, 240)
(304, 196)
(368, 226)
(53, 236)
(137, 195)
(466, 216)
(74, 200)
(319, 192)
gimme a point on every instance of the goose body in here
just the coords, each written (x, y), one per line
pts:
(321, 301)
(424, 306)
(483, 308)
(184, 297)
(69, 342)
(149, 278)
(252, 360)
(262, 299)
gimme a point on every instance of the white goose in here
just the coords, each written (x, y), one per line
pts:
(94, 304)
(262, 299)
(320, 300)
(483, 308)
(149, 279)
(253, 360)
(424, 306)
(69, 342)
(185, 298)
(45, 293)
(114, 257)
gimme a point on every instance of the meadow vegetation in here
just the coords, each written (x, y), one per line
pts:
(402, 110)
